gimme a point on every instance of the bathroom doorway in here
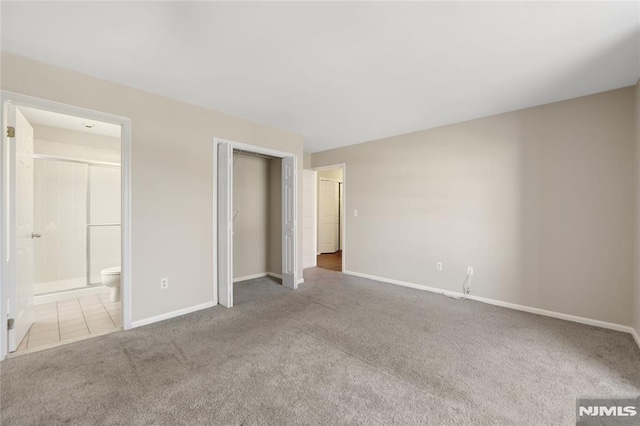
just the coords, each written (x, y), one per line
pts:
(63, 201)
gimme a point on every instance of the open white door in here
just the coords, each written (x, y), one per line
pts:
(289, 223)
(329, 221)
(309, 212)
(20, 161)
(225, 224)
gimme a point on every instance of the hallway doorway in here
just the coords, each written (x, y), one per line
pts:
(331, 224)
(331, 261)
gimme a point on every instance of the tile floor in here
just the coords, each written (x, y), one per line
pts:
(57, 322)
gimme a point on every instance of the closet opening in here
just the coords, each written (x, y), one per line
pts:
(256, 224)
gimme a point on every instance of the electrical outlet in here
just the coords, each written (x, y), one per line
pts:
(164, 283)
(470, 270)
(438, 266)
(355, 212)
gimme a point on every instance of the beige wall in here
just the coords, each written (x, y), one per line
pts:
(540, 201)
(251, 210)
(172, 177)
(332, 174)
(306, 160)
(636, 299)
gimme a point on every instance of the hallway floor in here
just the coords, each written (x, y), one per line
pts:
(331, 261)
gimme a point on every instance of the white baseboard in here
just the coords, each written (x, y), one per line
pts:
(538, 311)
(250, 277)
(172, 314)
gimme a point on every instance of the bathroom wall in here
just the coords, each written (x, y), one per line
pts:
(104, 214)
(60, 217)
(69, 143)
(60, 203)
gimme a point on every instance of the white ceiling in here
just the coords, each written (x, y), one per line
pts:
(340, 73)
(63, 121)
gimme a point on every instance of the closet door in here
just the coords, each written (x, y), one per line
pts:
(289, 223)
(225, 224)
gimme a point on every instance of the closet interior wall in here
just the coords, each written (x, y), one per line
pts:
(257, 216)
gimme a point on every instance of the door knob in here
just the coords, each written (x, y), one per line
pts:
(35, 235)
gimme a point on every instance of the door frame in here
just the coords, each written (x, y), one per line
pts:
(7, 236)
(314, 227)
(216, 209)
(343, 215)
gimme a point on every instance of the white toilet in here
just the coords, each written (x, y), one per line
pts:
(111, 278)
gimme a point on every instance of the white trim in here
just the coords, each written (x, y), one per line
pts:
(214, 222)
(343, 213)
(250, 277)
(314, 226)
(125, 123)
(538, 311)
(4, 251)
(254, 148)
(126, 265)
(172, 314)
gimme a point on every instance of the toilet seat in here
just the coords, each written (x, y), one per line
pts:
(115, 270)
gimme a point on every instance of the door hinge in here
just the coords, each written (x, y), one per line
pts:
(10, 323)
(11, 132)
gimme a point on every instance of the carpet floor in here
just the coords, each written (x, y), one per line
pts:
(339, 350)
